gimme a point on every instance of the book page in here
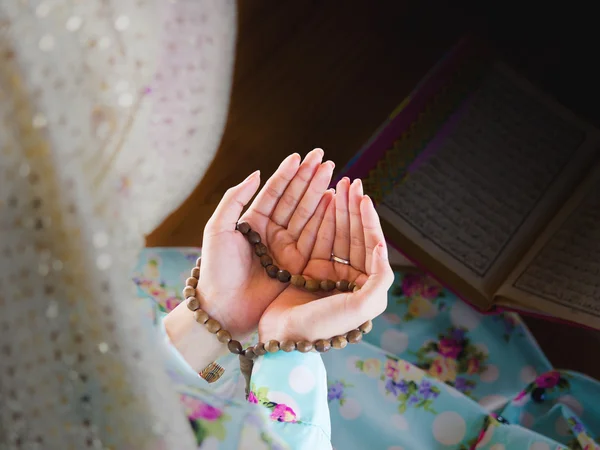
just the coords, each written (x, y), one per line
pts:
(560, 276)
(494, 175)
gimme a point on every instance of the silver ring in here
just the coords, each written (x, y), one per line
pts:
(339, 260)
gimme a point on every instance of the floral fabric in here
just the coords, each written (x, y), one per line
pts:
(433, 374)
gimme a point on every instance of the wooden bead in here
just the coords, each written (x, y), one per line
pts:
(224, 336)
(272, 270)
(298, 280)
(259, 349)
(253, 237)
(339, 342)
(288, 346)
(200, 316)
(235, 347)
(192, 282)
(283, 276)
(304, 346)
(328, 285)
(312, 285)
(354, 336)
(266, 260)
(249, 353)
(272, 346)
(189, 291)
(243, 227)
(342, 285)
(198, 261)
(356, 288)
(260, 249)
(351, 286)
(193, 304)
(196, 272)
(323, 345)
(366, 327)
(212, 325)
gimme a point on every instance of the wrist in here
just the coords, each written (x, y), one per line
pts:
(223, 315)
(269, 329)
(198, 346)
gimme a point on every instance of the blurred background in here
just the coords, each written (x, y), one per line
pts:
(328, 73)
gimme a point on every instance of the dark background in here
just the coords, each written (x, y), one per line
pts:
(326, 74)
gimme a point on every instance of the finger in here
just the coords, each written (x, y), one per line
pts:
(231, 205)
(326, 234)
(341, 244)
(264, 204)
(337, 314)
(297, 187)
(372, 229)
(311, 198)
(308, 237)
(357, 235)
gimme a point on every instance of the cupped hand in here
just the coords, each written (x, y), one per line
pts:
(287, 213)
(350, 230)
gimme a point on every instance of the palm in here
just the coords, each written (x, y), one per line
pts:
(320, 268)
(247, 280)
(284, 249)
(284, 215)
(350, 230)
(279, 314)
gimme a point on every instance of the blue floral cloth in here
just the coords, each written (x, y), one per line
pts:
(433, 374)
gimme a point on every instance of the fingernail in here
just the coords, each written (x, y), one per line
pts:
(369, 198)
(252, 175)
(316, 153)
(295, 156)
(383, 251)
(359, 187)
(330, 163)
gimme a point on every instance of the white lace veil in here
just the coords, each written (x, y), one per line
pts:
(110, 112)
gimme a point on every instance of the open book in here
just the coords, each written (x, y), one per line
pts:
(493, 188)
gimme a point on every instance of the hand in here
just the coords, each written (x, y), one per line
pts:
(287, 213)
(350, 230)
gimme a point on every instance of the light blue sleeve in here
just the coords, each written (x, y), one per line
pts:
(293, 389)
(289, 392)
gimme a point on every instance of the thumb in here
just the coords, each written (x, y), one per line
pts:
(379, 262)
(379, 282)
(232, 204)
(338, 314)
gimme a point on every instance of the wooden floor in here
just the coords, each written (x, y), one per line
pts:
(326, 74)
(308, 74)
